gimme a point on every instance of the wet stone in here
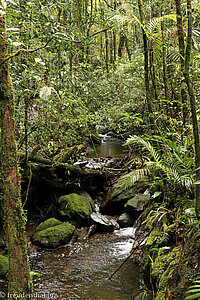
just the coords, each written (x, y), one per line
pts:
(104, 223)
(125, 220)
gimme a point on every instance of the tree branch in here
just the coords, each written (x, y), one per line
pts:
(51, 38)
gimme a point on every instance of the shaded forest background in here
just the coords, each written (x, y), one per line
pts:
(80, 68)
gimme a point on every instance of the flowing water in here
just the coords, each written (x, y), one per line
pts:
(109, 146)
(81, 270)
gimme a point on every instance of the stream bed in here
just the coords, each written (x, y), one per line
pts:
(81, 270)
(109, 147)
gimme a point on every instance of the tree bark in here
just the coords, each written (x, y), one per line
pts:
(182, 55)
(146, 67)
(165, 75)
(192, 106)
(185, 66)
(19, 279)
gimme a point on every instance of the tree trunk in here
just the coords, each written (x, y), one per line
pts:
(19, 280)
(165, 75)
(193, 106)
(146, 67)
(182, 54)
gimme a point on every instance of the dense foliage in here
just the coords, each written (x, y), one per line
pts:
(80, 68)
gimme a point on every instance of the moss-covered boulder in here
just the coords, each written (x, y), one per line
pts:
(55, 236)
(47, 224)
(4, 265)
(135, 205)
(75, 208)
(119, 196)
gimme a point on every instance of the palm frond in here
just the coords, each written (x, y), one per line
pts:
(128, 180)
(155, 21)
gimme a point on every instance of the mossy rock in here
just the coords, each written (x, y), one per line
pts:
(136, 205)
(4, 265)
(55, 236)
(75, 208)
(119, 196)
(47, 224)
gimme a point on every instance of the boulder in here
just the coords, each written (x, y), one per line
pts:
(75, 208)
(104, 223)
(136, 205)
(119, 196)
(55, 236)
(47, 224)
(4, 265)
(125, 220)
(87, 196)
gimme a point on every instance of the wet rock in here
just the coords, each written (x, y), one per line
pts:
(136, 205)
(87, 196)
(86, 232)
(75, 208)
(104, 223)
(55, 236)
(47, 224)
(125, 220)
(119, 196)
(4, 265)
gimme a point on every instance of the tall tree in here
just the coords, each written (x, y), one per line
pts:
(186, 72)
(182, 54)
(19, 271)
(146, 65)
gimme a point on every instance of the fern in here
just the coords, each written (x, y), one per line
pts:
(173, 161)
(131, 178)
(194, 290)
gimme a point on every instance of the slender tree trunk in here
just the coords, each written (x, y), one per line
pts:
(121, 44)
(182, 55)
(19, 280)
(106, 58)
(146, 66)
(165, 75)
(127, 49)
(193, 106)
(152, 73)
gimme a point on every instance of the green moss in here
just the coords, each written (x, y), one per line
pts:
(75, 208)
(4, 265)
(164, 270)
(164, 261)
(54, 236)
(154, 235)
(48, 223)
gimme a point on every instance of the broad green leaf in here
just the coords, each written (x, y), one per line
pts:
(32, 273)
(156, 194)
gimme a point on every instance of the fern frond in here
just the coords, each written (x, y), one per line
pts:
(194, 289)
(146, 145)
(128, 180)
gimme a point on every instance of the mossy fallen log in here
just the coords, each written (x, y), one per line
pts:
(62, 176)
